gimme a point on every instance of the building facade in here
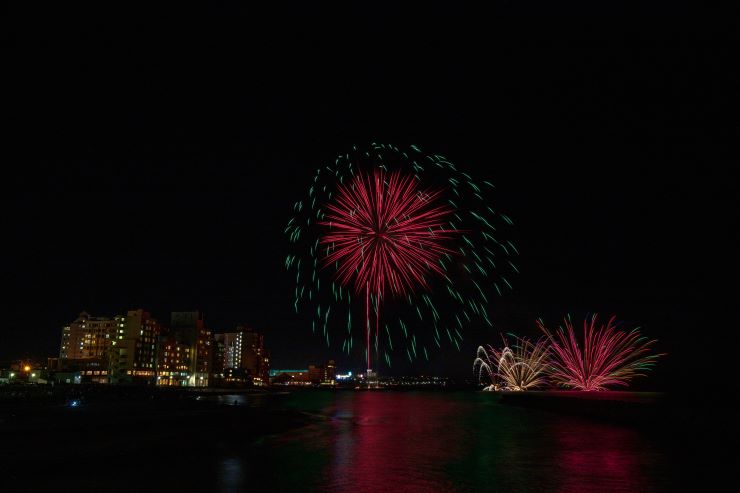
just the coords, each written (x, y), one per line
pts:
(290, 377)
(86, 346)
(245, 357)
(135, 348)
(218, 359)
(88, 337)
(174, 362)
(322, 374)
(64, 347)
(189, 328)
(231, 358)
(133, 357)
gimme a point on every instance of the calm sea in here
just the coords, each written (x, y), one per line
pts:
(443, 441)
(357, 442)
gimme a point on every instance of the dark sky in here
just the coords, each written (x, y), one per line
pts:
(153, 157)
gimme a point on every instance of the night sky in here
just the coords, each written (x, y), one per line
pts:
(154, 156)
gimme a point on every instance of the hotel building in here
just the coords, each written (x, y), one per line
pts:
(86, 345)
(245, 357)
(189, 329)
(133, 356)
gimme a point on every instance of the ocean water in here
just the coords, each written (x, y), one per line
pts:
(358, 442)
(446, 442)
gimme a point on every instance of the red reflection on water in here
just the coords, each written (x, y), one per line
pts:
(390, 440)
(596, 457)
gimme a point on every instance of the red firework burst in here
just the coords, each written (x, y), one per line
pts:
(608, 356)
(386, 234)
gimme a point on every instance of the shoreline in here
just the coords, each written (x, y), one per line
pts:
(20, 405)
(104, 430)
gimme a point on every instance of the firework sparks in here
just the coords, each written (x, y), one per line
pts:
(386, 233)
(607, 356)
(484, 362)
(522, 366)
(385, 230)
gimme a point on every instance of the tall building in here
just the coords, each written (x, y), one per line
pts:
(86, 346)
(189, 328)
(231, 358)
(133, 356)
(88, 337)
(245, 357)
(250, 346)
(322, 374)
(218, 358)
(64, 347)
(315, 374)
(330, 372)
(175, 359)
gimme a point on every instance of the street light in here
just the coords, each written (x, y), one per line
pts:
(26, 368)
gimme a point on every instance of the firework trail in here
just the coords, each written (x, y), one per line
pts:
(605, 357)
(387, 235)
(486, 362)
(522, 366)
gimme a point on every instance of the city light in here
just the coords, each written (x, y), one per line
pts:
(26, 368)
